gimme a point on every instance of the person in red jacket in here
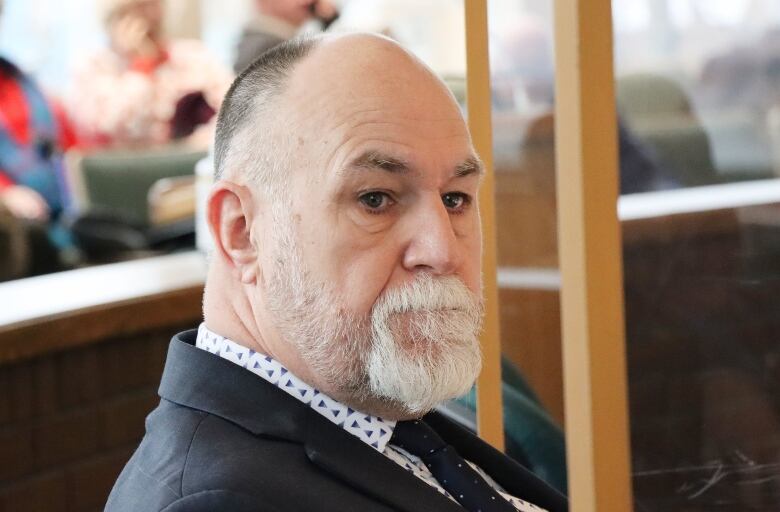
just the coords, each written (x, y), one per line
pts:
(33, 135)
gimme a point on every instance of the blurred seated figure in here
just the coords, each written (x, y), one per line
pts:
(738, 94)
(524, 84)
(640, 168)
(276, 21)
(146, 89)
(743, 76)
(33, 193)
(660, 114)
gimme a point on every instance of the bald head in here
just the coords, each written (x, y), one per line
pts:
(295, 90)
(354, 66)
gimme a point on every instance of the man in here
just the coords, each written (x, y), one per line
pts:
(276, 21)
(342, 303)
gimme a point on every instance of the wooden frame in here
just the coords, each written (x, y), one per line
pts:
(590, 249)
(490, 422)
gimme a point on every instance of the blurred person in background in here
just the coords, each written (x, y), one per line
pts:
(523, 81)
(521, 62)
(276, 21)
(34, 132)
(146, 89)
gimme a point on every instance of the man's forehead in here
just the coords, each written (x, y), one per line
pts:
(360, 94)
(368, 69)
(380, 114)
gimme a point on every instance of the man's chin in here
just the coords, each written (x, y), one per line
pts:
(392, 409)
(414, 395)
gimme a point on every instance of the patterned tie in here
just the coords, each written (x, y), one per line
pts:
(449, 468)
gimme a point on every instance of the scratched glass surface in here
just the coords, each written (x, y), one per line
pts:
(698, 88)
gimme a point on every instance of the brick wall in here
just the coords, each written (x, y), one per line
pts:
(69, 421)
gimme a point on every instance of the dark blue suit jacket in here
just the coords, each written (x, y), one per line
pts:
(224, 440)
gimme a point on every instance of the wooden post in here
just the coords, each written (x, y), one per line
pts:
(489, 404)
(589, 244)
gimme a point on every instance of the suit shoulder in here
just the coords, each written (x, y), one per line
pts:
(152, 478)
(224, 455)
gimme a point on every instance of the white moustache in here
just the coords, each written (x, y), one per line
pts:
(428, 294)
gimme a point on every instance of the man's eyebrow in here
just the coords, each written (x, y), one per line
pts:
(471, 165)
(374, 160)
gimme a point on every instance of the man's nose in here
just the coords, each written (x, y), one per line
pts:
(433, 246)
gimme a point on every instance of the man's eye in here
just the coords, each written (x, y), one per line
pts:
(455, 200)
(376, 201)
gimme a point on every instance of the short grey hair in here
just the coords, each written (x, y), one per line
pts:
(246, 144)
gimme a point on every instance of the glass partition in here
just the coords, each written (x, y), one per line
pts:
(697, 90)
(522, 80)
(697, 94)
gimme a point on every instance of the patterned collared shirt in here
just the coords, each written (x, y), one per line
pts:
(372, 430)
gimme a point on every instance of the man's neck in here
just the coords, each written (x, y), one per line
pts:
(231, 315)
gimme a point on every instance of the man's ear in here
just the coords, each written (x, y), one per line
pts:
(230, 215)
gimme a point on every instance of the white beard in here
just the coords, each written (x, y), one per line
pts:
(419, 345)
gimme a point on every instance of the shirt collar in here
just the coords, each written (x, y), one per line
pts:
(372, 430)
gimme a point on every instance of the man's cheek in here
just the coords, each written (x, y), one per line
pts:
(365, 284)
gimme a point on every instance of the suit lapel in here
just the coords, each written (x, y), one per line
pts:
(346, 457)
